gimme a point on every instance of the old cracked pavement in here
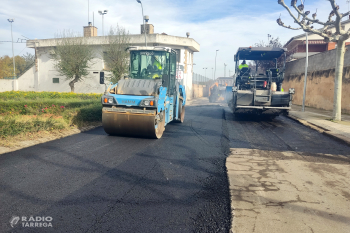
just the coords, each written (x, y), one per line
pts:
(92, 182)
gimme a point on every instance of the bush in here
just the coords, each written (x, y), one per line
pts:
(88, 114)
(46, 108)
(12, 127)
(35, 107)
(32, 95)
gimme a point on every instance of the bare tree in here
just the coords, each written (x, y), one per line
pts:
(73, 57)
(339, 36)
(29, 60)
(115, 55)
(267, 64)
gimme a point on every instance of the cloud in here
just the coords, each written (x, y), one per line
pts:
(221, 24)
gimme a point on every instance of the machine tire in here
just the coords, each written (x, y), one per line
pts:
(160, 129)
(234, 103)
(181, 110)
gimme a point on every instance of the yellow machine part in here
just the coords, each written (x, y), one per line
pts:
(129, 124)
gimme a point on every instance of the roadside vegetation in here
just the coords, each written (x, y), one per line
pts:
(22, 63)
(28, 114)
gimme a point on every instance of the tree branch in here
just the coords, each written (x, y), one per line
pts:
(335, 11)
(289, 27)
(345, 14)
(306, 17)
(305, 28)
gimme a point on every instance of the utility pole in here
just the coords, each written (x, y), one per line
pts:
(306, 65)
(13, 54)
(225, 69)
(143, 18)
(216, 54)
(103, 13)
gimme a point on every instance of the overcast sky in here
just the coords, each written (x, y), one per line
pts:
(214, 24)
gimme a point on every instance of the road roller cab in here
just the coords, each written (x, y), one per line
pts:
(145, 101)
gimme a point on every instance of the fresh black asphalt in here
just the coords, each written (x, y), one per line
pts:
(92, 182)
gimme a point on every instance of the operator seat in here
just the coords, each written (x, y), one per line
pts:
(274, 72)
(245, 73)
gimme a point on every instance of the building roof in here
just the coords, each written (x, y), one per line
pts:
(310, 33)
(138, 39)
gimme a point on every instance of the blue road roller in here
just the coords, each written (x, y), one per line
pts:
(144, 102)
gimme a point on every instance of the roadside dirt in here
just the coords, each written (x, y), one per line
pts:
(30, 139)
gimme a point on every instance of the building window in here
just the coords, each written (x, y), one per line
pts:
(178, 55)
(56, 80)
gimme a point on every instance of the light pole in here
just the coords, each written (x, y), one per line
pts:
(225, 69)
(306, 65)
(103, 13)
(215, 63)
(205, 73)
(143, 18)
(13, 54)
(268, 39)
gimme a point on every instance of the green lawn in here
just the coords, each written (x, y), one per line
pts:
(30, 112)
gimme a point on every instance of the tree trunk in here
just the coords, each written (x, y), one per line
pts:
(338, 80)
(71, 83)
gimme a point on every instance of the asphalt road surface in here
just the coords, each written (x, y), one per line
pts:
(92, 182)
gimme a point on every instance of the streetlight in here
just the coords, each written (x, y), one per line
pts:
(215, 63)
(103, 13)
(205, 72)
(143, 20)
(225, 69)
(13, 54)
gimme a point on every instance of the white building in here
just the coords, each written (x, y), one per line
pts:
(43, 76)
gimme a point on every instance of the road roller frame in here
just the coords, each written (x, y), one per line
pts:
(148, 99)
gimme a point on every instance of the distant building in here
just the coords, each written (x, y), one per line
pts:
(44, 77)
(297, 45)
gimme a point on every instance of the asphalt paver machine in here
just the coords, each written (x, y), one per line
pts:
(261, 93)
(144, 102)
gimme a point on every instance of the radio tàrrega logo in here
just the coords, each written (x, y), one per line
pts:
(14, 220)
(32, 221)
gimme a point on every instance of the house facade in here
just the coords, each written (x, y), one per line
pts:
(297, 45)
